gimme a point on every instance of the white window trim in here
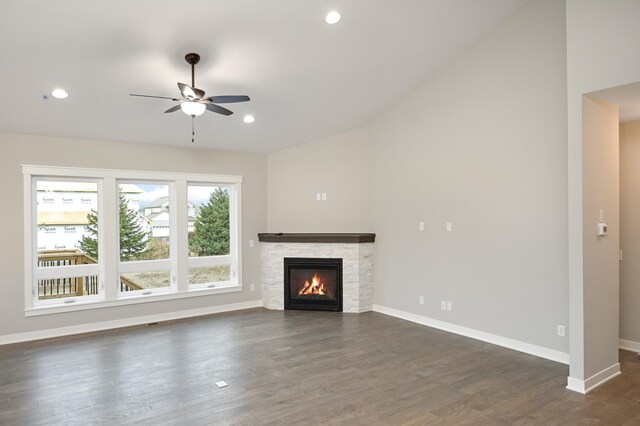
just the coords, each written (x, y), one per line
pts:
(110, 267)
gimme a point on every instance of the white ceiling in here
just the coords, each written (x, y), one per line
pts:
(627, 97)
(307, 79)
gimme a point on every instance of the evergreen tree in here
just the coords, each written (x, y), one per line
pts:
(211, 236)
(89, 243)
(133, 239)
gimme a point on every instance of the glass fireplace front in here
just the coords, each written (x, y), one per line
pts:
(313, 283)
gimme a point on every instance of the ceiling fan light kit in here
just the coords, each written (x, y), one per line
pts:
(193, 108)
(193, 101)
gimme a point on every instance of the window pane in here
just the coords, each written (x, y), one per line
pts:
(66, 222)
(209, 274)
(208, 225)
(67, 287)
(145, 280)
(144, 221)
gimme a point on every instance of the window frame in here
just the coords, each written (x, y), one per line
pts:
(110, 264)
(137, 266)
(66, 271)
(220, 260)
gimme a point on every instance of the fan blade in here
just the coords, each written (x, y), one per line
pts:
(151, 96)
(189, 92)
(218, 109)
(199, 92)
(228, 99)
(173, 109)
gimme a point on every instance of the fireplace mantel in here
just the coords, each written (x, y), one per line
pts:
(349, 238)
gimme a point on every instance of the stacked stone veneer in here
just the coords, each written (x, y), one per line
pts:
(357, 271)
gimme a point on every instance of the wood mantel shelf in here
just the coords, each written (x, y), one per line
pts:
(317, 238)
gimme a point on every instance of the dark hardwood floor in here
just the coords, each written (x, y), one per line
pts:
(296, 367)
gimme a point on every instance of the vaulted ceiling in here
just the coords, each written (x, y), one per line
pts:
(306, 79)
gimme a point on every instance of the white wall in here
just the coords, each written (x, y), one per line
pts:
(337, 166)
(481, 145)
(602, 52)
(601, 192)
(39, 150)
(630, 231)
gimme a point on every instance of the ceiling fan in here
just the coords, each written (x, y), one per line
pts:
(193, 101)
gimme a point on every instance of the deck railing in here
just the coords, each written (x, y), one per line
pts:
(73, 286)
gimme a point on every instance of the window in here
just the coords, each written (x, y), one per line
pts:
(64, 257)
(144, 230)
(109, 237)
(209, 227)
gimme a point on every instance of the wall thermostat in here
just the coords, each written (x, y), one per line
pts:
(602, 229)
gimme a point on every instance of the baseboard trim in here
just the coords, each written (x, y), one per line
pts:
(586, 386)
(126, 322)
(539, 351)
(629, 345)
(576, 385)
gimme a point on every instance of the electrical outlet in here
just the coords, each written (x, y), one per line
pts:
(561, 330)
(252, 243)
(443, 305)
(421, 300)
(252, 287)
(449, 306)
(421, 226)
(448, 226)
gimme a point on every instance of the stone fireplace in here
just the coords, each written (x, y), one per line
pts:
(310, 254)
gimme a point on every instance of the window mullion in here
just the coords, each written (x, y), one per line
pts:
(30, 240)
(108, 237)
(179, 224)
(235, 232)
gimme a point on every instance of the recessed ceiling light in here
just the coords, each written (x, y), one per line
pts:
(332, 17)
(249, 119)
(59, 93)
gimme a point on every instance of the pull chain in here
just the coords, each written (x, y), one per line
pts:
(193, 132)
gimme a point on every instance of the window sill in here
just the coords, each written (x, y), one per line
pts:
(129, 300)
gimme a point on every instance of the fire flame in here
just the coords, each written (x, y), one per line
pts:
(313, 287)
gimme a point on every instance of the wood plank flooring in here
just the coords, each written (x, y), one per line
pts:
(296, 368)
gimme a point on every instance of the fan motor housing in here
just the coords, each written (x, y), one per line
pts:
(192, 58)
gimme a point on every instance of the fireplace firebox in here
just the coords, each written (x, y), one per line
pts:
(313, 283)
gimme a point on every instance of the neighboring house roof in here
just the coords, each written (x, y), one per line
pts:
(62, 218)
(158, 202)
(163, 203)
(163, 215)
(129, 188)
(53, 186)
